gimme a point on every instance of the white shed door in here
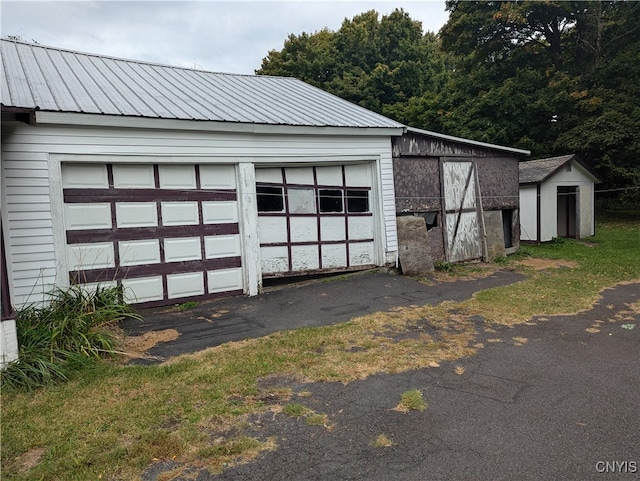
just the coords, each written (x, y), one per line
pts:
(461, 213)
(166, 233)
(314, 219)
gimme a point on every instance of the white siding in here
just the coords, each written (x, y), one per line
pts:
(31, 156)
(528, 213)
(576, 177)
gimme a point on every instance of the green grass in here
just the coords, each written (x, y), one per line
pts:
(111, 421)
(411, 401)
(68, 334)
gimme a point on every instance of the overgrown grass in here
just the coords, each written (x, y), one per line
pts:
(111, 422)
(57, 339)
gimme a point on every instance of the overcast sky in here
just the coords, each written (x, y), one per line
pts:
(221, 36)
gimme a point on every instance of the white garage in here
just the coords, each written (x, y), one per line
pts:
(180, 184)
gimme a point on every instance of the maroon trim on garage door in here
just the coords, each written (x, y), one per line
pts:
(147, 270)
(141, 233)
(116, 234)
(145, 195)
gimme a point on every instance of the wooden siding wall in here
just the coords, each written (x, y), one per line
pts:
(28, 202)
(416, 159)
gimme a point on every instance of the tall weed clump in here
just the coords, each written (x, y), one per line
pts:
(69, 333)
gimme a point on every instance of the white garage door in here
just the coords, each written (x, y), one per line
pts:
(314, 219)
(167, 233)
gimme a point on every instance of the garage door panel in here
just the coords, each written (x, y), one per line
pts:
(126, 176)
(222, 246)
(180, 213)
(304, 229)
(361, 254)
(272, 229)
(136, 214)
(274, 259)
(332, 229)
(217, 177)
(182, 249)
(219, 212)
(87, 216)
(329, 175)
(224, 280)
(304, 258)
(185, 285)
(181, 177)
(360, 227)
(90, 256)
(89, 176)
(170, 237)
(145, 289)
(134, 253)
(334, 255)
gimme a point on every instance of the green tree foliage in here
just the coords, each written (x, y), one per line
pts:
(379, 63)
(554, 77)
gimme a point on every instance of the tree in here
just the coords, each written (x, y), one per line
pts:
(379, 63)
(554, 77)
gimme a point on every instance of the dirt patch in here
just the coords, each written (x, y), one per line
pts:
(542, 264)
(466, 272)
(30, 459)
(136, 347)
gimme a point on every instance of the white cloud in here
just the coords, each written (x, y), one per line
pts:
(213, 35)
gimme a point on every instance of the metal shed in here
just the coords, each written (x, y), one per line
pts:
(556, 199)
(467, 192)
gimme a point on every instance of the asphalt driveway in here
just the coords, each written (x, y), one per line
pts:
(323, 301)
(555, 400)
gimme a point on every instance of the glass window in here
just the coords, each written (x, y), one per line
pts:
(357, 201)
(302, 200)
(270, 199)
(330, 200)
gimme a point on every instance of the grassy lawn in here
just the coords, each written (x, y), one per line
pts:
(112, 421)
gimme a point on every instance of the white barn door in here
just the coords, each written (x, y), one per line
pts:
(166, 233)
(463, 240)
(315, 219)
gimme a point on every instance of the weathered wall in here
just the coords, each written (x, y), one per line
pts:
(498, 178)
(495, 234)
(417, 184)
(417, 181)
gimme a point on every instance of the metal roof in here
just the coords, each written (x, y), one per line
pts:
(476, 143)
(42, 78)
(534, 171)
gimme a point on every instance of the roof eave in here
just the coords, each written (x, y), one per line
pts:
(468, 141)
(101, 120)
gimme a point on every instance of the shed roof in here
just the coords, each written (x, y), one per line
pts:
(535, 171)
(35, 77)
(476, 143)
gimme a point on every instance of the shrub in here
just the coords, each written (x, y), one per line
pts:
(70, 332)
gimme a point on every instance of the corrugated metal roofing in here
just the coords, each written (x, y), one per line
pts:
(533, 171)
(57, 80)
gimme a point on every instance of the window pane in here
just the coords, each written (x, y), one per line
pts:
(270, 199)
(330, 200)
(302, 201)
(357, 201)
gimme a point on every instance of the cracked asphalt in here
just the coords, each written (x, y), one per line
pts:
(553, 400)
